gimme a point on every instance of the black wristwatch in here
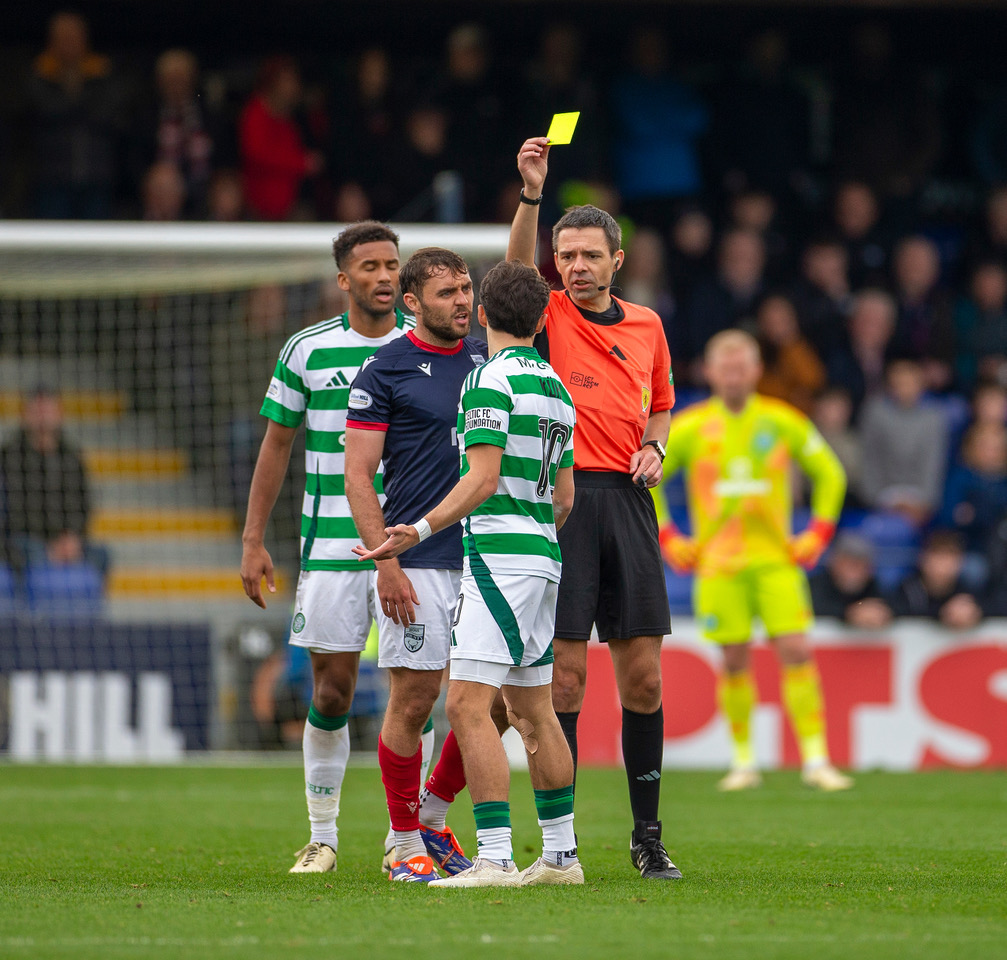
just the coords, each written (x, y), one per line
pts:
(657, 445)
(529, 201)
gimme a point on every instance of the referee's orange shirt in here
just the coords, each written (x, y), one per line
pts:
(617, 375)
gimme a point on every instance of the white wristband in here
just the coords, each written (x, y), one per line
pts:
(423, 529)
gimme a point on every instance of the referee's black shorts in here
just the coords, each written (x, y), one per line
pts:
(613, 575)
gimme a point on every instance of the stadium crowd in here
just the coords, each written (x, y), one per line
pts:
(804, 206)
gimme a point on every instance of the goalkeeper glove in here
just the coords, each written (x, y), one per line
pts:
(809, 545)
(681, 552)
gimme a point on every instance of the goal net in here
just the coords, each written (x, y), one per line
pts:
(133, 361)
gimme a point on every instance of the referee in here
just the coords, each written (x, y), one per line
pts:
(613, 359)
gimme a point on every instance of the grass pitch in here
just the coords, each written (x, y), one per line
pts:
(192, 862)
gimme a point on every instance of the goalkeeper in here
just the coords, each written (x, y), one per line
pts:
(737, 450)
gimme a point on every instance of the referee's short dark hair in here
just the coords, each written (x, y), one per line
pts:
(424, 263)
(588, 215)
(514, 296)
(366, 231)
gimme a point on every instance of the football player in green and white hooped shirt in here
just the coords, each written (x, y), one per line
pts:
(516, 434)
(334, 605)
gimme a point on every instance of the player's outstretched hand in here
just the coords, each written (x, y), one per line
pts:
(533, 164)
(681, 552)
(400, 538)
(256, 564)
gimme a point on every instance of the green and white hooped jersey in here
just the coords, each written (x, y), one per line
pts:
(516, 401)
(311, 383)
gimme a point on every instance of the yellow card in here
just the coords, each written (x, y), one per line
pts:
(562, 127)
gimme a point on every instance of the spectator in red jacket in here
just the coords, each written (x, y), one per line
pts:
(274, 159)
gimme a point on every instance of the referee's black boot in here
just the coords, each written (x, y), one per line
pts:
(648, 853)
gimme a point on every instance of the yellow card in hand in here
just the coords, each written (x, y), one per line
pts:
(562, 127)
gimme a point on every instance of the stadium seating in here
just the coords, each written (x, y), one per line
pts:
(895, 540)
(679, 592)
(73, 590)
(8, 591)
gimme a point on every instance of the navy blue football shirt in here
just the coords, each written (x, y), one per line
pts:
(410, 390)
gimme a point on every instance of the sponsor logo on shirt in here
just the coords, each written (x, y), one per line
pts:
(360, 399)
(740, 482)
(477, 358)
(274, 389)
(425, 367)
(584, 380)
(482, 417)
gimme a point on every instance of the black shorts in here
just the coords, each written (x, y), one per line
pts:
(613, 575)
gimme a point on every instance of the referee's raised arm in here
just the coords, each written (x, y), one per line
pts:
(533, 165)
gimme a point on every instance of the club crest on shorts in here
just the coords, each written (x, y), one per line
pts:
(298, 625)
(413, 636)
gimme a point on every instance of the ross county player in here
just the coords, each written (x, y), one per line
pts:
(403, 412)
(516, 425)
(334, 609)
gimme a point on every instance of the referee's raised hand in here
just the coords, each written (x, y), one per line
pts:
(533, 165)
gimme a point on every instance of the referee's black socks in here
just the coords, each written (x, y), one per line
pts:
(643, 754)
(568, 721)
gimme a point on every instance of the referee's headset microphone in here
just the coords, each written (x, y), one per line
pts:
(611, 283)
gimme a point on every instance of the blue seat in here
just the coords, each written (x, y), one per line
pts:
(889, 576)
(889, 530)
(8, 590)
(956, 411)
(679, 592)
(65, 590)
(687, 396)
(371, 694)
(896, 545)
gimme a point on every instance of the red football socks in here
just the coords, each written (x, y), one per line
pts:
(401, 777)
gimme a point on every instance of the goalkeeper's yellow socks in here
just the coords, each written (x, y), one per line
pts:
(802, 697)
(736, 695)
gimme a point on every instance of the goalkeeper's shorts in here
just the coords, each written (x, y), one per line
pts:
(726, 605)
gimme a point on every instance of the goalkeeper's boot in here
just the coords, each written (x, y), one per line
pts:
(445, 850)
(648, 853)
(826, 778)
(315, 858)
(413, 870)
(740, 778)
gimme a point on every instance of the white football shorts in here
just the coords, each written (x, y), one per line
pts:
(504, 623)
(333, 610)
(423, 645)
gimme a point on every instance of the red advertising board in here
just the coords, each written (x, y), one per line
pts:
(909, 698)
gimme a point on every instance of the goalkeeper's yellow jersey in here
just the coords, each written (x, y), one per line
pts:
(738, 477)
